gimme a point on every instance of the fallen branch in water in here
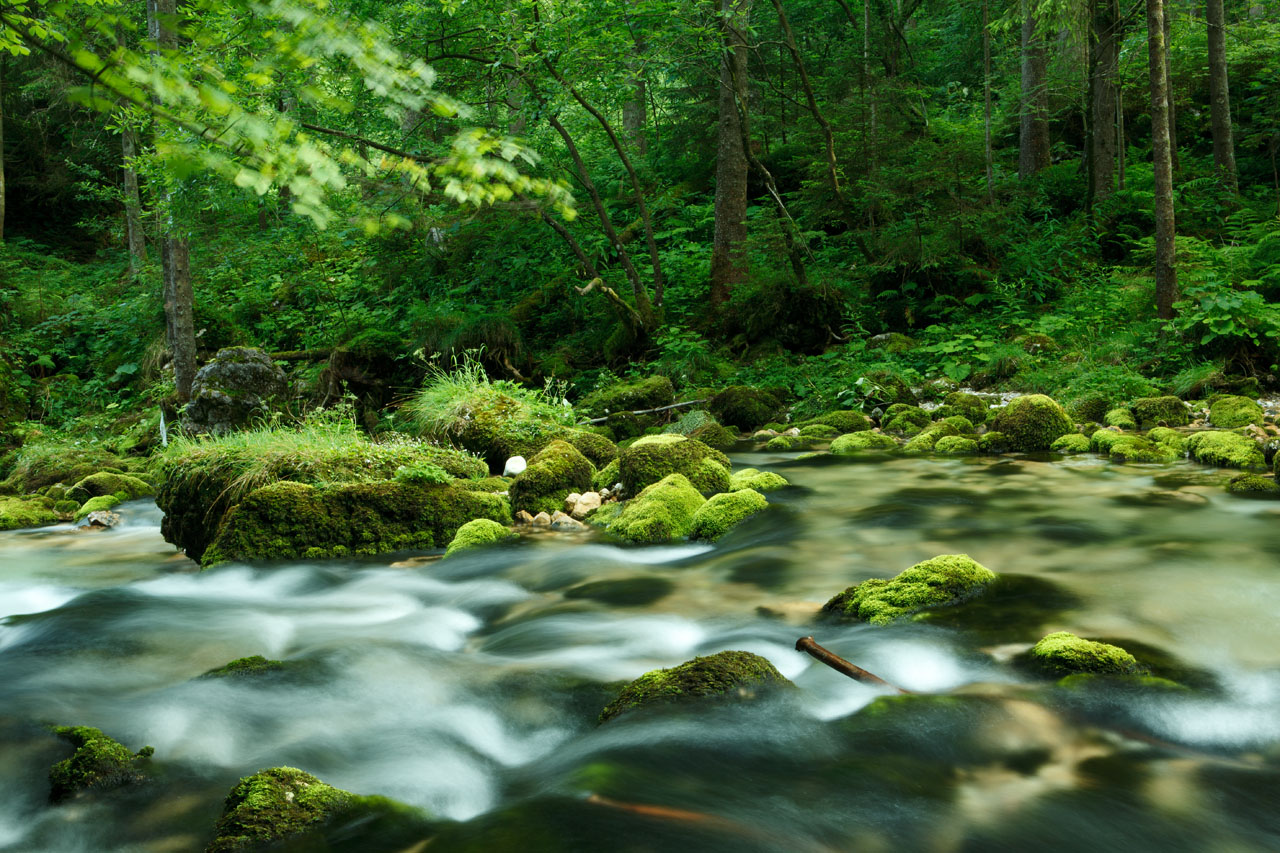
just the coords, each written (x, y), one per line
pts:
(643, 411)
(839, 664)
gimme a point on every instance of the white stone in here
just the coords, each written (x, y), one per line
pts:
(560, 521)
(515, 466)
(542, 520)
(585, 505)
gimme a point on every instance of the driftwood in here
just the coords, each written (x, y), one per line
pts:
(839, 664)
(642, 411)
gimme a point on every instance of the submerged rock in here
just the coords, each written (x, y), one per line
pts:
(1253, 484)
(1063, 653)
(722, 512)
(253, 665)
(1032, 422)
(937, 582)
(237, 386)
(99, 763)
(729, 674)
(662, 512)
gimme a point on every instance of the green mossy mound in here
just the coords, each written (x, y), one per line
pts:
(608, 476)
(1131, 448)
(956, 445)
(661, 512)
(290, 521)
(250, 667)
(841, 420)
(486, 484)
(557, 470)
(993, 442)
(891, 342)
(721, 513)
(29, 511)
(1170, 438)
(1226, 450)
(959, 423)
(1063, 653)
(1121, 418)
(106, 483)
(1070, 443)
(938, 582)
(1167, 411)
(1253, 484)
(478, 533)
(1032, 423)
(729, 674)
(690, 421)
(1229, 412)
(908, 420)
(715, 436)
(744, 407)
(1090, 407)
(1102, 440)
(640, 394)
(41, 463)
(753, 478)
(971, 406)
(922, 443)
(653, 457)
(857, 442)
(819, 431)
(98, 504)
(883, 388)
(99, 763)
(597, 448)
(784, 443)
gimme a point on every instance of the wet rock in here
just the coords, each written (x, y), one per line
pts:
(1032, 423)
(98, 505)
(722, 512)
(98, 763)
(753, 478)
(1226, 449)
(478, 533)
(251, 666)
(1063, 653)
(937, 582)
(237, 386)
(727, 675)
(102, 519)
(565, 522)
(584, 505)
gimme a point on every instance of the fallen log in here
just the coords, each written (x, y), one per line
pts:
(643, 411)
(839, 664)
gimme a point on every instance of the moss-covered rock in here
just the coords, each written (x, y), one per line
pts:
(1120, 417)
(41, 463)
(98, 763)
(478, 533)
(1063, 653)
(597, 448)
(248, 667)
(653, 457)
(485, 484)
(842, 420)
(884, 388)
(1131, 448)
(30, 511)
(1229, 412)
(993, 442)
(65, 508)
(98, 504)
(1226, 450)
(1170, 438)
(944, 580)
(961, 424)
(891, 342)
(607, 477)
(1090, 407)
(106, 483)
(1168, 411)
(858, 442)
(1252, 484)
(715, 436)
(1032, 422)
(661, 512)
(729, 674)
(1073, 442)
(557, 470)
(971, 406)
(637, 395)
(745, 407)
(818, 431)
(922, 443)
(753, 478)
(1102, 440)
(784, 443)
(289, 521)
(956, 445)
(722, 512)
(908, 420)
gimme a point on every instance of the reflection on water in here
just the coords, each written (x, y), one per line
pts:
(470, 687)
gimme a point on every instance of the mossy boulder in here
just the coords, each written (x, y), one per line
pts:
(597, 448)
(42, 463)
(715, 436)
(922, 443)
(1090, 407)
(106, 483)
(973, 407)
(1102, 440)
(98, 504)
(30, 511)
(1229, 412)
(607, 477)
(651, 458)
(818, 431)
(938, 582)
(552, 474)
(1121, 418)
(993, 442)
(1170, 438)
(956, 445)
(1252, 484)
(961, 424)
(247, 667)
(858, 442)
(724, 675)
(1168, 411)
(276, 805)
(290, 521)
(239, 385)
(785, 443)
(1063, 653)
(689, 421)
(842, 420)
(745, 407)
(1226, 450)
(651, 392)
(908, 420)
(884, 388)
(661, 512)
(478, 533)
(1131, 448)
(1032, 423)
(722, 512)
(1073, 442)
(891, 342)
(753, 478)
(98, 763)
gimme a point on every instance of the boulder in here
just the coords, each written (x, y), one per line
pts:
(761, 481)
(30, 511)
(1120, 418)
(941, 581)
(745, 407)
(1168, 411)
(107, 483)
(857, 442)
(478, 533)
(722, 512)
(1063, 653)
(584, 505)
(724, 675)
(661, 512)
(239, 385)
(653, 457)
(98, 763)
(1226, 450)
(956, 445)
(1229, 412)
(104, 519)
(557, 470)
(1032, 423)
(637, 395)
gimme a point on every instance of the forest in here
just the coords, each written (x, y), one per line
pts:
(470, 402)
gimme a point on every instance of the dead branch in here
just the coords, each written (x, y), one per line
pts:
(839, 664)
(643, 411)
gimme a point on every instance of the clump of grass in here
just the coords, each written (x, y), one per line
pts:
(450, 400)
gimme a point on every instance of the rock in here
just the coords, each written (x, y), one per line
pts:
(763, 434)
(607, 476)
(524, 517)
(1072, 442)
(98, 763)
(1253, 484)
(955, 445)
(1226, 449)
(30, 511)
(586, 504)
(744, 407)
(97, 505)
(102, 518)
(722, 512)
(1229, 412)
(890, 342)
(905, 419)
(542, 519)
(238, 385)
(1032, 422)
(842, 421)
(514, 466)
(641, 394)
(761, 481)
(883, 388)
(856, 442)
(247, 667)
(653, 457)
(1120, 418)
(794, 432)
(1166, 411)
(107, 483)
(1063, 653)
(478, 533)
(729, 674)
(661, 512)
(562, 521)
(557, 471)
(940, 581)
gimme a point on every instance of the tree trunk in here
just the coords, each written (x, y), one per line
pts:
(728, 249)
(1224, 149)
(132, 201)
(988, 157)
(1, 149)
(633, 108)
(1033, 135)
(1107, 31)
(1161, 155)
(1167, 24)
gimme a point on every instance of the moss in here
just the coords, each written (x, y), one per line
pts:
(729, 674)
(1109, 683)
(1034, 342)
(783, 443)
(41, 463)
(1229, 412)
(943, 580)
(744, 407)
(725, 511)
(105, 483)
(908, 420)
(960, 424)
(273, 805)
(422, 473)
(293, 520)
(557, 470)
(608, 476)
(690, 421)
(891, 342)
(1226, 449)
(857, 442)
(99, 504)
(66, 507)
(98, 763)
(648, 393)
(254, 665)
(884, 388)
(1121, 418)
(624, 425)
(993, 442)
(1166, 411)
(1170, 438)
(955, 445)
(1032, 422)
(1252, 484)
(1073, 442)
(1090, 407)
(606, 514)
(486, 484)
(1102, 440)
(1063, 653)
(1130, 448)
(17, 513)
(651, 458)
(598, 449)
(819, 431)
(922, 443)
(661, 512)
(843, 421)
(761, 481)
(478, 533)
(715, 436)
(971, 405)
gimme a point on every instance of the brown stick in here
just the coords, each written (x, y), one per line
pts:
(642, 411)
(839, 664)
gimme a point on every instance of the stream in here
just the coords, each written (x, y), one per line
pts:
(470, 687)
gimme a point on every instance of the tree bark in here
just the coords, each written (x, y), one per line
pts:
(633, 108)
(1167, 25)
(988, 156)
(1224, 149)
(728, 248)
(132, 201)
(1106, 32)
(1033, 134)
(1162, 159)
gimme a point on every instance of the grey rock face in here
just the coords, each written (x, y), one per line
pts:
(240, 384)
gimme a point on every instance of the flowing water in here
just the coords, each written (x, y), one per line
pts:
(471, 687)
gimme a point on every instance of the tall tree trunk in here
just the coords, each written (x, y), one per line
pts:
(132, 200)
(1, 149)
(1107, 31)
(988, 157)
(728, 248)
(633, 108)
(1224, 149)
(1033, 133)
(1168, 82)
(179, 300)
(1162, 158)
